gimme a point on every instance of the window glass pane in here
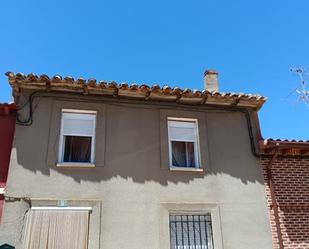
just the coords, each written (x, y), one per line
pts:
(190, 154)
(179, 154)
(191, 232)
(77, 149)
(183, 154)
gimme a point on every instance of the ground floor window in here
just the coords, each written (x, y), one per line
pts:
(191, 231)
(51, 229)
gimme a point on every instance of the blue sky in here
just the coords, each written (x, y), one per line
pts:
(253, 45)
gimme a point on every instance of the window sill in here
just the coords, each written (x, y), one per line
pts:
(186, 169)
(75, 165)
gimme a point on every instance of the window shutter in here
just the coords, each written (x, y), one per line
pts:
(182, 132)
(78, 125)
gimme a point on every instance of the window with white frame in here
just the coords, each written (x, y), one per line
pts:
(77, 136)
(183, 143)
(191, 231)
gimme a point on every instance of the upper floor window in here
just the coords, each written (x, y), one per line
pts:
(183, 143)
(77, 136)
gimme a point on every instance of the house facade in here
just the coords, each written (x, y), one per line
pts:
(107, 165)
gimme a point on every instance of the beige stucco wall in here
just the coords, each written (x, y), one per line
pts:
(134, 189)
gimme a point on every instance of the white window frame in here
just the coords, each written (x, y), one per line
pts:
(183, 123)
(79, 114)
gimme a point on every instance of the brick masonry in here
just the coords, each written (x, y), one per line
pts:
(290, 177)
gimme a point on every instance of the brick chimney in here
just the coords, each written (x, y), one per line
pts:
(211, 80)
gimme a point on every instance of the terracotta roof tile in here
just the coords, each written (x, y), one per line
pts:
(154, 92)
(284, 147)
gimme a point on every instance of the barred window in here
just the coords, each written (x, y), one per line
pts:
(191, 232)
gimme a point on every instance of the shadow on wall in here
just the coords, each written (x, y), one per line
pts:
(132, 147)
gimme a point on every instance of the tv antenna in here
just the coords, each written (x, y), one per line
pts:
(301, 90)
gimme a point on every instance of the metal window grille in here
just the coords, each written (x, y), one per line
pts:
(191, 232)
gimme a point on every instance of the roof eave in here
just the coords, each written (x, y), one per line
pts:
(284, 147)
(133, 91)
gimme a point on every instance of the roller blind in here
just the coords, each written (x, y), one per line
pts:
(182, 131)
(78, 124)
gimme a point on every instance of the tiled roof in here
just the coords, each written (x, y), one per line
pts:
(132, 91)
(282, 141)
(284, 147)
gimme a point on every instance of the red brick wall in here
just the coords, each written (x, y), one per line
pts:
(291, 187)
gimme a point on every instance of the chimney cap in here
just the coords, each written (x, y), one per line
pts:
(210, 71)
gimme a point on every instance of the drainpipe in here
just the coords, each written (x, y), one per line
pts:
(274, 204)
